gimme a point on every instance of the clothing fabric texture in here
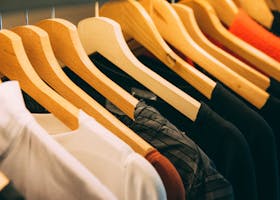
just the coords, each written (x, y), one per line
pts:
(201, 179)
(38, 165)
(185, 155)
(124, 172)
(128, 84)
(171, 179)
(270, 112)
(169, 175)
(255, 129)
(253, 126)
(9, 192)
(250, 31)
(275, 28)
(274, 86)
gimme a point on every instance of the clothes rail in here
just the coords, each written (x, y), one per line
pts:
(14, 5)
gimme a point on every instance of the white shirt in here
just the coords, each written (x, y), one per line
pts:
(127, 174)
(40, 168)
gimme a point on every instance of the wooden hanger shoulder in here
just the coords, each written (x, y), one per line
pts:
(136, 23)
(101, 115)
(226, 10)
(271, 4)
(37, 45)
(259, 10)
(103, 35)
(16, 66)
(68, 49)
(172, 30)
(210, 25)
(187, 16)
(4, 181)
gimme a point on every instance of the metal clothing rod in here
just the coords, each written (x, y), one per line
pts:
(13, 5)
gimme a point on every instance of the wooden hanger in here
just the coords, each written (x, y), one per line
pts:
(271, 4)
(4, 181)
(172, 30)
(259, 10)
(38, 48)
(210, 24)
(136, 23)
(187, 17)
(68, 49)
(277, 4)
(103, 35)
(226, 10)
(15, 65)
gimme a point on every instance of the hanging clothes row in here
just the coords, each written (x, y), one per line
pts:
(148, 99)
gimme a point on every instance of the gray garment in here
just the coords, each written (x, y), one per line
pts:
(200, 177)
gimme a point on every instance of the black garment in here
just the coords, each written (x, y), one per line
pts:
(274, 88)
(270, 111)
(275, 28)
(198, 173)
(10, 193)
(256, 130)
(226, 146)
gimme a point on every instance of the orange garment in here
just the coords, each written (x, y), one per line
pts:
(170, 177)
(250, 31)
(239, 57)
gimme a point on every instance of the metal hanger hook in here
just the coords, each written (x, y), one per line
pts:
(26, 16)
(1, 21)
(53, 12)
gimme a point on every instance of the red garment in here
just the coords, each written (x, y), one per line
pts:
(170, 177)
(250, 31)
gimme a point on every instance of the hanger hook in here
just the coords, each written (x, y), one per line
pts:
(53, 12)
(26, 16)
(1, 21)
(172, 1)
(96, 6)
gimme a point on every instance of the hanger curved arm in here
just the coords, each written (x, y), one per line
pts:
(259, 10)
(4, 181)
(38, 48)
(188, 19)
(277, 4)
(103, 35)
(226, 10)
(136, 23)
(271, 4)
(211, 25)
(68, 49)
(172, 30)
(15, 65)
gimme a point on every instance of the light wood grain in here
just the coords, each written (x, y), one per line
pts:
(226, 10)
(4, 181)
(38, 48)
(15, 65)
(187, 16)
(104, 35)
(259, 10)
(277, 4)
(68, 49)
(136, 23)
(271, 4)
(209, 23)
(172, 30)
